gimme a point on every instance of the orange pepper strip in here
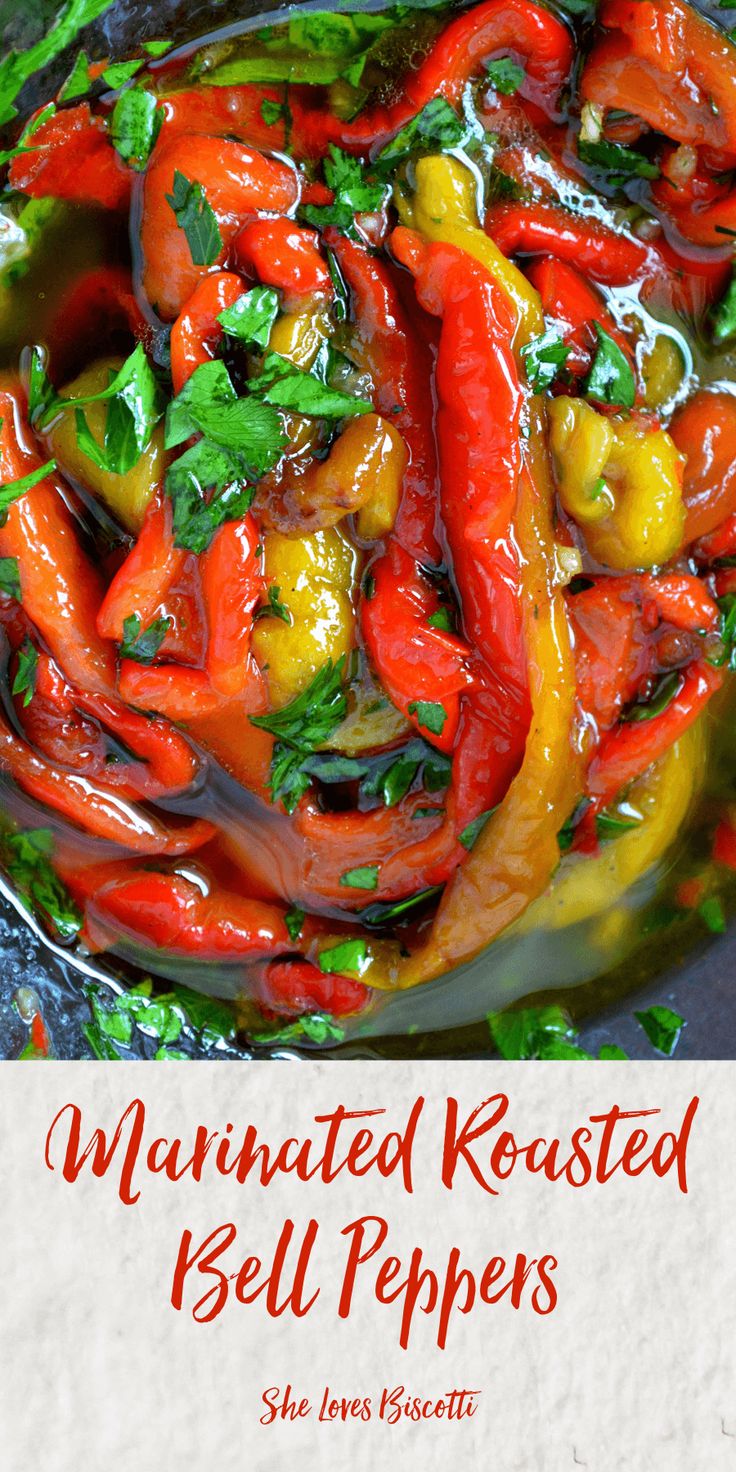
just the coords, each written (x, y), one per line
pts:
(196, 333)
(146, 575)
(232, 584)
(92, 807)
(237, 182)
(61, 590)
(704, 430)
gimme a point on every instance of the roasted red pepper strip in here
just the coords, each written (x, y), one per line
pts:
(54, 722)
(704, 430)
(570, 300)
(681, 600)
(171, 913)
(499, 26)
(61, 589)
(414, 661)
(666, 64)
(702, 208)
(176, 692)
(72, 158)
(145, 577)
(196, 334)
(588, 244)
(400, 366)
(237, 182)
(282, 254)
(92, 807)
(232, 585)
(627, 751)
(478, 432)
(607, 651)
(227, 112)
(298, 986)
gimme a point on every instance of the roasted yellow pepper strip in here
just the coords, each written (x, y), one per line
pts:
(444, 208)
(586, 885)
(315, 577)
(127, 496)
(621, 482)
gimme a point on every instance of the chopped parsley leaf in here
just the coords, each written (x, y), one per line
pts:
(441, 619)
(79, 81)
(120, 72)
(662, 1026)
(307, 722)
(142, 645)
(430, 714)
(667, 689)
(252, 316)
(544, 356)
(283, 385)
(26, 856)
(616, 161)
(17, 67)
(14, 489)
(275, 608)
(364, 877)
(294, 920)
(25, 678)
(135, 125)
(712, 914)
(195, 216)
(10, 578)
(472, 832)
(436, 127)
(349, 957)
(354, 194)
(611, 379)
(505, 74)
(724, 316)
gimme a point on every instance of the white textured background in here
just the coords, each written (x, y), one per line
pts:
(634, 1370)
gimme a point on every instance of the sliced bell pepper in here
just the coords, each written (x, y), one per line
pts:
(282, 254)
(72, 158)
(237, 183)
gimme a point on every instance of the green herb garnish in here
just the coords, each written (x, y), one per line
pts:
(436, 128)
(283, 385)
(135, 125)
(364, 877)
(349, 957)
(14, 489)
(616, 161)
(252, 316)
(354, 194)
(667, 689)
(17, 67)
(10, 578)
(27, 856)
(306, 723)
(119, 73)
(79, 81)
(662, 1026)
(195, 216)
(472, 832)
(505, 75)
(142, 645)
(712, 914)
(294, 920)
(545, 356)
(430, 714)
(25, 678)
(611, 380)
